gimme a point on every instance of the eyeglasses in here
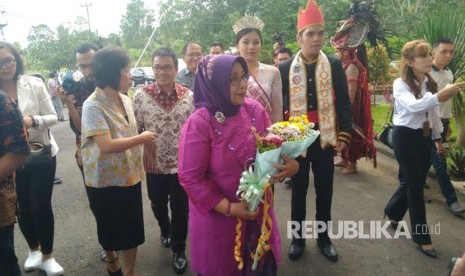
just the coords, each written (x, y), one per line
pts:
(238, 80)
(194, 55)
(165, 68)
(83, 67)
(7, 63)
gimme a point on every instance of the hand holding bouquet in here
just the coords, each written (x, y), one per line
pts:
(290, 138)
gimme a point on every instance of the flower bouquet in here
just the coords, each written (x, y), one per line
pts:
(290, 138)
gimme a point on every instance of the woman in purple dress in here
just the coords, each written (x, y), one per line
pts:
(215, 146)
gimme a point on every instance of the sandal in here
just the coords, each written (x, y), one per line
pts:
(115, 273)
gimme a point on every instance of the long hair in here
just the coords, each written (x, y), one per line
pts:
(411, 50)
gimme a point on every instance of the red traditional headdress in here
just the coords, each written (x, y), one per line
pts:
(312, 15)
(362, 25)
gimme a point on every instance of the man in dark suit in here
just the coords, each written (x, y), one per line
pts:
(315, 84)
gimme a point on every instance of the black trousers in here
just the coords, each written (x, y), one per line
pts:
(162, 188)
(413, 153)
(322, 163)
(35, 217)
(8, 261)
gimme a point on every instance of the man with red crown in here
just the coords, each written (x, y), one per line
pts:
(315, 84)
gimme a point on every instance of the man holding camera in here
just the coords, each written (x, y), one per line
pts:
(75, 93)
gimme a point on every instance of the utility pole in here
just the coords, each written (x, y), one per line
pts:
(87, 5)
(3, 22)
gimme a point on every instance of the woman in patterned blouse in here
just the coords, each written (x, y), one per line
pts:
(112, 159)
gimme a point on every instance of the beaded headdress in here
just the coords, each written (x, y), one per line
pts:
(363, 25)
(312, 15)
(248, 22)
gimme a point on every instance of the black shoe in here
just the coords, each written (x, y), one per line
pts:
(451, 265)
(428, 252)
(394, 224)
(179, 263)
(165, 241)
(328, 250)
(116, 273)
(295, 250)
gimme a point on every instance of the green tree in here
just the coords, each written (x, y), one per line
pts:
(41, 48)
(206, 21)
(136, 25)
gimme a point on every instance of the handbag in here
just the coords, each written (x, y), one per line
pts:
(386, 136)
(40, 155)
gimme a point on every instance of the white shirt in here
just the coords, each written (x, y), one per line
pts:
(443, 78)
(411, 112)
(34, 100)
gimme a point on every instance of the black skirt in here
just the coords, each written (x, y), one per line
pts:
(119, 217)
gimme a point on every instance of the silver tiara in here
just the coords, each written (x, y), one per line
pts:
(248, 22)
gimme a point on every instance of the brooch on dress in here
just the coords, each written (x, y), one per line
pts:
(219, 116)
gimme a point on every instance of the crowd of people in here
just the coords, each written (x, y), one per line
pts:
(188, 136)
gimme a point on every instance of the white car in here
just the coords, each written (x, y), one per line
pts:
(142, 75)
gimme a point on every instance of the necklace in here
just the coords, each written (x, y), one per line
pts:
(253, 69)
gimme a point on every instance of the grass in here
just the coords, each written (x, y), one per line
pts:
(381, 112)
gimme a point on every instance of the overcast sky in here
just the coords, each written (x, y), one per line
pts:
(105, 15)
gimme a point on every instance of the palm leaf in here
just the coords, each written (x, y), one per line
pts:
(447, 23)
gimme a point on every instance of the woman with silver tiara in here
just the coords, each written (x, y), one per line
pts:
(264, 83)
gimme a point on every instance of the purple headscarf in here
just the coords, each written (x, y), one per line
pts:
(212, 83)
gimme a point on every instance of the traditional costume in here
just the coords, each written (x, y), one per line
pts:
(349, 39)
(318, 89)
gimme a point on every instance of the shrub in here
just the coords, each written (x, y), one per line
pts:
(378, 65)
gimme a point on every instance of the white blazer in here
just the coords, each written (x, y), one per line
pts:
(34, 100)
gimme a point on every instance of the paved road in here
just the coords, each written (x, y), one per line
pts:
(359, 197)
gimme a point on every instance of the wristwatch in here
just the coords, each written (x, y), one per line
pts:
(35, 122)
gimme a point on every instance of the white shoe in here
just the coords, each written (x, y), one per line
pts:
(33, 261)
(51, 267)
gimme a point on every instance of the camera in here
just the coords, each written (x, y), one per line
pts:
(73, 82)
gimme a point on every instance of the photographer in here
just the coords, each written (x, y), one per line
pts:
(75, 93)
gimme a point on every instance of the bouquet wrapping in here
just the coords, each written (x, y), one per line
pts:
(290, 138)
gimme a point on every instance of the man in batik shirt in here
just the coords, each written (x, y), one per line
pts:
(162, 107)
